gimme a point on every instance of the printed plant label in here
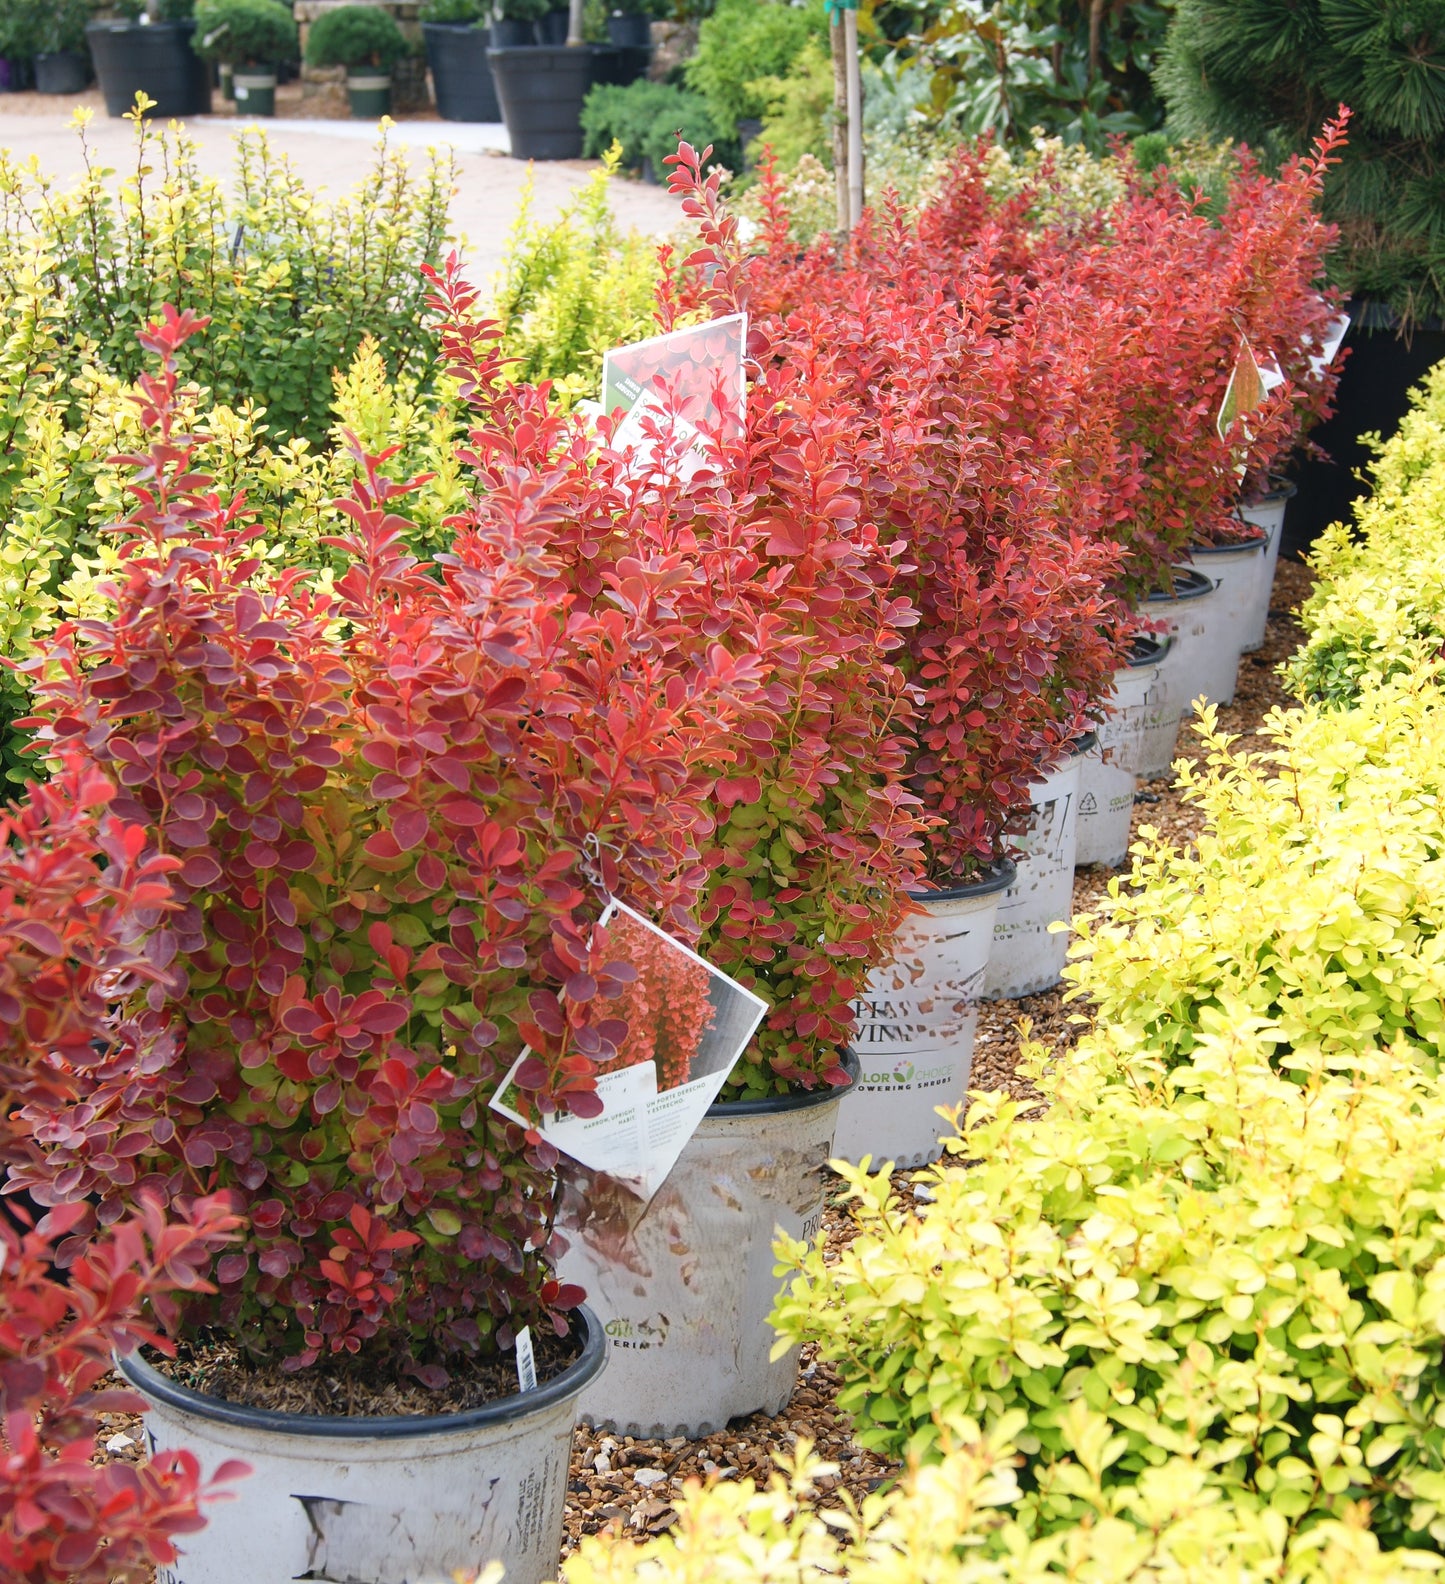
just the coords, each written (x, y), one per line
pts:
(687, 1025)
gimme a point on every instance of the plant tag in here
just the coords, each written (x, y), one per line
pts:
(686, 1026)
(526, 1362)
(1334, 339)
(1244, 394)
(680, 396)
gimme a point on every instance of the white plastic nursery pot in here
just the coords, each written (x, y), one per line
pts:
(1235, 570)
(1108, 771)
(916, 1023)
(376, 1500)
(684, 1292)
(1026, 957)
(1266, 514)
(1184, 613)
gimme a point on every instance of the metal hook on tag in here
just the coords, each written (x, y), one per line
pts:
(591, 860)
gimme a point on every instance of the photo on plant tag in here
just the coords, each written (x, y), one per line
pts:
(687, 1025)
(678, 396)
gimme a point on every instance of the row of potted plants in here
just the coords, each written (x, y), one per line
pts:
(764, 708)
(1198, 1356)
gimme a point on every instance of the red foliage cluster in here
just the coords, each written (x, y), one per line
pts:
(379, 804)
(1018, 632)
(1129, 323)
(76, 884)
(817, 838)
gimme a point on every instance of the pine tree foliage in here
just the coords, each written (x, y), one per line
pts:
(1270, 71)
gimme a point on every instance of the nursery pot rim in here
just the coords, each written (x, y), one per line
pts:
(1279, 490)
(123, 25)
(1147, 649)
(378, 1427)
(1188, 584)
(999, 876)
(1086, 742)
(799, 1100)
(1256, 539)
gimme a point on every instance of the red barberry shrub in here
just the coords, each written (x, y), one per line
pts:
(1018, 630)
(77, 886)
(817, 838)
(383, 800)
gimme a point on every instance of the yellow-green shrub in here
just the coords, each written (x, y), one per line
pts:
(574, 288)
(951, 1523)
(1230, 1264)
(292, 281)
(1313, 904)
(1378, 609)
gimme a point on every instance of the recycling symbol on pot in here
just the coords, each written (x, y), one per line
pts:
(1089, 805)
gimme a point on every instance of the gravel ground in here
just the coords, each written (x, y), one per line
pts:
(629, 1484)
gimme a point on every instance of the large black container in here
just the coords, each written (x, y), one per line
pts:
(1373, 394)
(619, 64)
(64, 72)
(541, 92)
(460, 75)
(156, 57)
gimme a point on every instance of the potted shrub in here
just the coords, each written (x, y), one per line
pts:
(457, 37)
(57, 35)
(368, 42)
(811, 845)
(514, 23)
(252, 37)
(149, 48)
(382, 807)
(629, 24)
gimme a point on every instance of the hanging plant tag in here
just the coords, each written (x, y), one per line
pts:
(1243, 396)
(1334, 339)
(687, 1025)
(680, 396)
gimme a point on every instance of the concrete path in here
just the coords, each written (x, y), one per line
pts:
(332, 155)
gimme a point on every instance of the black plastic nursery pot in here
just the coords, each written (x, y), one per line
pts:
(541, 90)
(513, 33)
(394, 1497)
(64, 72)
(368, 93)
(629, 31)
(254, 91)
(154, 58)
(1373, 395)
(552, 26)
(461, 76)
